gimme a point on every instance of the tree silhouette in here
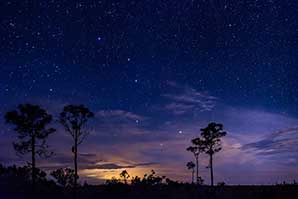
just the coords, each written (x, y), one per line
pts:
(74, 119)
(197, 148)
(124, 174)
(148, 179)
(191, 166)
(64, 177)
(212, 139)
(152, 179)
(136, 181)
(31, 123)
(113, 181)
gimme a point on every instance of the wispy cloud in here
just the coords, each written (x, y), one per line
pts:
(122, 139)
(117, 166)
(184, 99)
(179, 108)
(283, 141)
(119, 114)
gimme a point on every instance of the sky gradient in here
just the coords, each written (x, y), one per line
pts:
(154, 73)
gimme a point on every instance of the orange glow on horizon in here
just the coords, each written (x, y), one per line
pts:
(107, 174)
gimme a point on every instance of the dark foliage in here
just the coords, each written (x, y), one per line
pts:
(124, 174)
(30, 122)
(74, 119)
(191, 166)
(198, 147)
(148, 179)
(64, 177)
(14, 185)
(212, 135)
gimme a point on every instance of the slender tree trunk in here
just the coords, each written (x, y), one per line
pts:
(33, 163)
(211, 169)
(197, 169)
(192, 176)
(75, 168)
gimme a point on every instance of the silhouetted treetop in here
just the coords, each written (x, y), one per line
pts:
(199, 144)
(74, 118)
(30, 121)
(124, 174)
(190, 165)
(212, 137)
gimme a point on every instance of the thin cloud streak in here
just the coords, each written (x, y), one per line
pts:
(122, 139)
(184, 98)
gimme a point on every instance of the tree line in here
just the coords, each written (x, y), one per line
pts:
(32, 122)
(33, 126)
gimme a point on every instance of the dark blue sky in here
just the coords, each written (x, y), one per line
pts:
(160, 70)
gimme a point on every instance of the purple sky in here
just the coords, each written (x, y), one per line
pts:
(155, 72)
(260, 147)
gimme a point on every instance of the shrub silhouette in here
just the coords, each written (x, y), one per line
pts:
(136, 180)
(113, 181)
(64, 177)
(22, 175)
(148, 179)
(152, 179)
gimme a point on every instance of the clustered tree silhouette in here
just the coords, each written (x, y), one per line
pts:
(31, 123)
(124, 174)
(197, 148)
(74, 119)
(210, 143)
(64, 176)
(152, 178)
(148, 179)
(21, 175)
(15, 179)
(191, 166)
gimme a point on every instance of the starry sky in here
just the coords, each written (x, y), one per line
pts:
(154, 72)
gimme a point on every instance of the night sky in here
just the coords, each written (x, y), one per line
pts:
(154, 72)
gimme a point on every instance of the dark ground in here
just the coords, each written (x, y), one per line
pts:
(180, 191)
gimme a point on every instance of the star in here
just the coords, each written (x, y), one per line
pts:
(155, 81)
